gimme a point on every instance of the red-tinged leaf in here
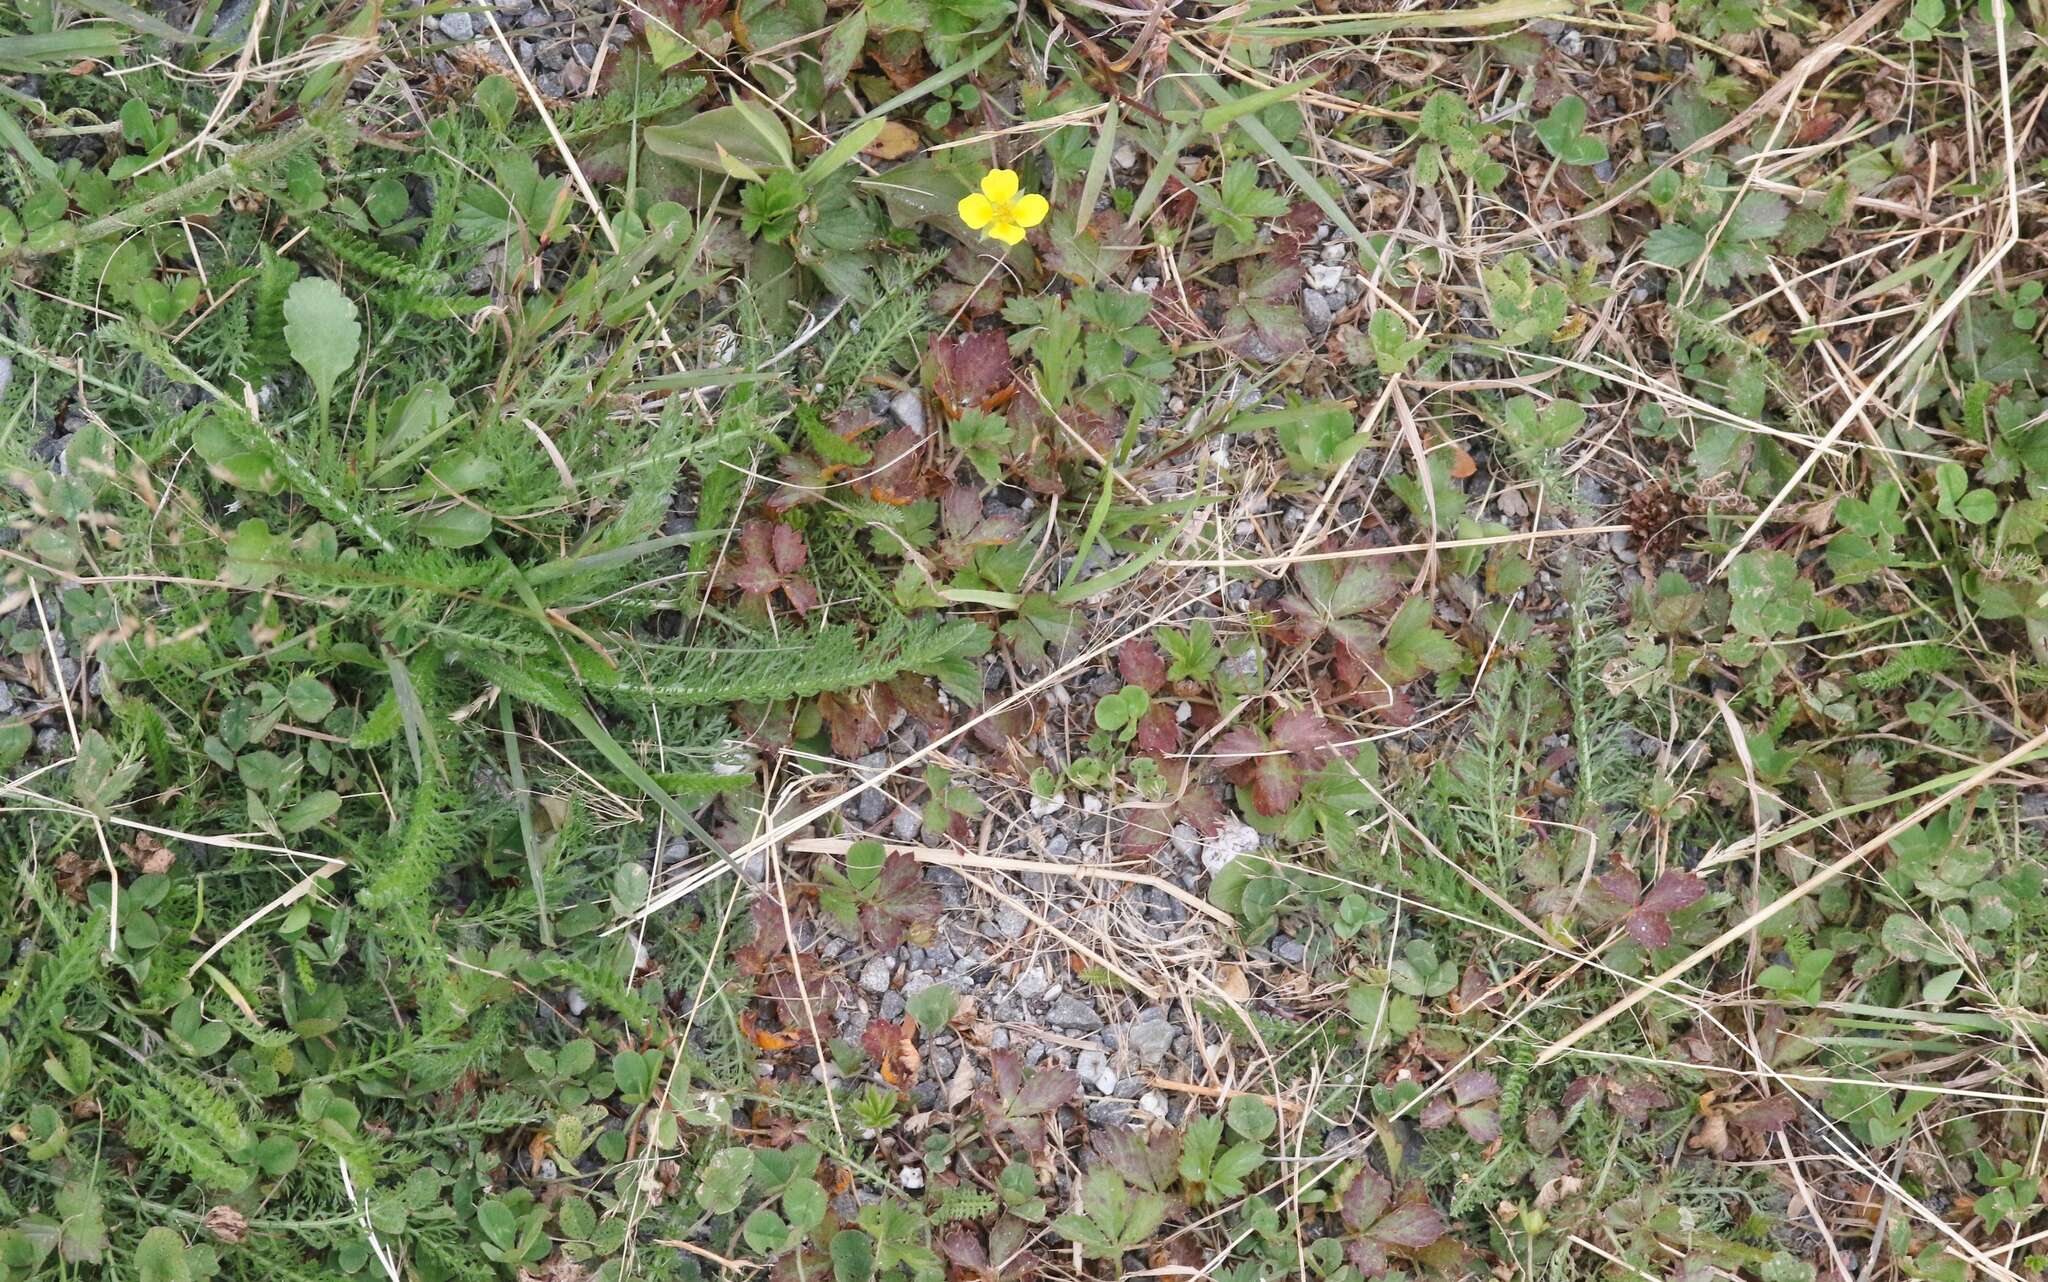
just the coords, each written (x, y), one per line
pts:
(1140, 663)
(788, 546)
(1239, 745)
(1474, 1086)
(917, 697)
(803, 598)
(1158, 731)
(881, 1038)
(852, 725)
(1437, 1114)
(1006, 1070)
(1482, 1124)
(1411, 1226)
(1202, 810)
(970, 371)
(1030, 1131)
(755, 578)
(1044, 1091)
(901, 903)
(1651, 930)
(1673, 891)
(898, 458)
(757, 541)
(1304, 733)
(959, 511)
(1767, 1116)
(1580, 1088)
(1276, 785)
(1364, 1198)
(1366, 1256)
(1620, 886)
(1635, 1101)
(1145, 1162)
(963, 1247)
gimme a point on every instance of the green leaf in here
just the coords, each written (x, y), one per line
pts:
(848, 145)
(933, 1007)
(309, 698)
(48, 51)
(1251, 1117)
(1412, 646)
(739, 140)
(853, 1256)
(1392, 349)
(1218, 118)
(1767, 598)
(804, 1203)
(500, 1226)
(1674, 245)
(723, 1181)
(454, 527)
(1563, 135)
(99, 776)
(160, 1257)
(320, 329)
(82, 1233)
(765, 1232)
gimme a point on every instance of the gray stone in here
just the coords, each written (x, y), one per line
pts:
(870, 806)
(1031, 985)
(1288, 949)
(1316, 310)
(892, 1005)
(458, 26)
(906, 825)
(1151, 1040)
(874, 977)
(1095, 1072)
(549, 84)
(1011, 923)
(1234, 838)
(908, 407)
(1073, 1013)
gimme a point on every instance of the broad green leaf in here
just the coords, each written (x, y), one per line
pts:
(715, 140)
(160, 1257)
(321, 330)
(1413, 647)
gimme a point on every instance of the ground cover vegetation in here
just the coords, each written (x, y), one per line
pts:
(940, 640)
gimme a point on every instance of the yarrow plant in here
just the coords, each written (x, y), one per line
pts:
(998, 210)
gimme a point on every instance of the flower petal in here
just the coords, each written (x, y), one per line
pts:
(1006, 231)
(977, 211)
(1029, 211)
(1000, 185)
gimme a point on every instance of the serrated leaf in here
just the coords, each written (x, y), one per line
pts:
(1412, 646)
(1674, 245)
(321, 330)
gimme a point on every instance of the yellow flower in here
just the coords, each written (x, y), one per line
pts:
(997, 210)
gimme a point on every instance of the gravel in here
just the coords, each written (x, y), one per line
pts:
(1072, 1013)
(1151, 1040)
(1234, 838)
(458, 26)
(874, 977)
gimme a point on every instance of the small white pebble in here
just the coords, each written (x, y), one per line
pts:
(912, 1178)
